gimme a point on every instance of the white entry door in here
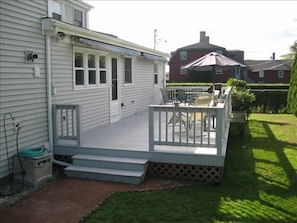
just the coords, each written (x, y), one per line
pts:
(114, 104)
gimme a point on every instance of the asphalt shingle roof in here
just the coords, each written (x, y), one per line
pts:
(257, 65)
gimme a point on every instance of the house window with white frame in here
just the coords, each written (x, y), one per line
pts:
(79, 69)
(183, 70)
(261, 74)
(102, 69)
(55, 9)
(92, 80)
(128, 70)
(90, 69)
(280, 74)
(183, 55)
(78, 18)
(155, 73)
(218, 70)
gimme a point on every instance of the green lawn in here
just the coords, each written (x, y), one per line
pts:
(260, 184)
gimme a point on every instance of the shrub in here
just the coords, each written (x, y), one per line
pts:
(292, 93)
(242, 98)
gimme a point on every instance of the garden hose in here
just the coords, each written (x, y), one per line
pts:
(32, 152)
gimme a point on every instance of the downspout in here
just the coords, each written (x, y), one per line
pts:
(49, 91)
(49, 94)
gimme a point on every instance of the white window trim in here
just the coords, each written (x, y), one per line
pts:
(156, 72)
(182, 71)
(83, 17)
(280, 74)
(50, 8)
(85, 53)
(124, 80)
(261, 74)
(183, 55)
(219, 70)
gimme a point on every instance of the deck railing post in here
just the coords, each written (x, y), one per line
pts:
(78, 118)
(55, 132)
(151, 128)
(219, 129)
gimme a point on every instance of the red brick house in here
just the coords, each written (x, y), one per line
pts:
(187, 54)
(268, 71)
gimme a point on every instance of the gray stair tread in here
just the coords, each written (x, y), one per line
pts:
(104, 171)
(110, 159)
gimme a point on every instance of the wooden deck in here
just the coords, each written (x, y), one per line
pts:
(132, 133)
(193, 147)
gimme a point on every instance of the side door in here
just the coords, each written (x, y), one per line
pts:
(114, 103)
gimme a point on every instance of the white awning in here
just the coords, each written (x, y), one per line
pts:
(118, 49)
(154, 57)
(108, 47)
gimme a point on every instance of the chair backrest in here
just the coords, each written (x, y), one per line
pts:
(181, 95)
(203, 100)
(164, 95)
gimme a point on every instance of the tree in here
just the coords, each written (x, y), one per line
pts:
(291, 55)
(292, 93)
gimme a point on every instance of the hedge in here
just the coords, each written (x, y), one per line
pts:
(270, 101)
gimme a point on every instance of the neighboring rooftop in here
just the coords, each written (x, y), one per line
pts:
(202, 45)
(257, 65)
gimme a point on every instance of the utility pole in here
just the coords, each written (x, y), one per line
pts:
(155, 38)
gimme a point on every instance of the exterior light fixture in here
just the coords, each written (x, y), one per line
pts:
(30, 56)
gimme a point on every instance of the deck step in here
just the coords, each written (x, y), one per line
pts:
(108, 168)
(118, 163)
(111, 175)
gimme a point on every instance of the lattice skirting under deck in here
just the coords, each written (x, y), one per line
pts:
(212, 174)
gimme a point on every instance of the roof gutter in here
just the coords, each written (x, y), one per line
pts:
(48, 24)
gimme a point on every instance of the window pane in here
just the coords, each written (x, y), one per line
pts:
(79, 77)
(128, 71)
(156, 78)
(102, 62)
(92, 77)
(79, 62)
(183, 55)
(102, 77)
(91, 61)
(155, 68)
(77, 17)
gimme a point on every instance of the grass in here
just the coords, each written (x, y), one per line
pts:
(260, 184)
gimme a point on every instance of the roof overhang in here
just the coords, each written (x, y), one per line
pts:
(105, 41)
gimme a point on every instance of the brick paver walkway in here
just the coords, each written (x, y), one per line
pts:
(69, 200)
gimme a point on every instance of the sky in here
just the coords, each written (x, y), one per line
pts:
(259, 28)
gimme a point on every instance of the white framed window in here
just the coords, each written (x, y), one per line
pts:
(55, 9)
(280, 74)
(92, 78)
(102, 69)
(128, 70)
(78, 18)
(156, 73)
(79, 70)
(219, 70)
(183, 55)
(261, 74)
(90, 69)
(183, 71)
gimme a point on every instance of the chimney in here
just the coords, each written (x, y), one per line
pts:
(202, 36)
(207, 39)
(273, 56)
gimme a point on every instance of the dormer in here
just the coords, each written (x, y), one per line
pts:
(74, 12)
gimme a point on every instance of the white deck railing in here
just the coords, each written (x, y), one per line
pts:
(178, 126)
(66, 123)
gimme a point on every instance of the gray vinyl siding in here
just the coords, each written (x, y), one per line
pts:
(141, 89)
(21, 93)
(94, 102)
(68, 13)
